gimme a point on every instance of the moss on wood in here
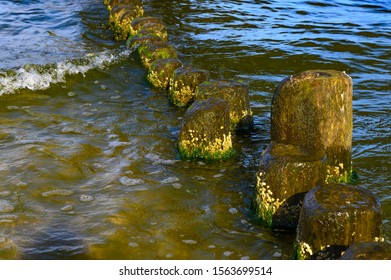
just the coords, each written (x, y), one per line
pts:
(160, 71)
(337, 215)
(184, 83)
(205, 131)
(237, 96)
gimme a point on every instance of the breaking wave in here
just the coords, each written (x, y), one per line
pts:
(40, 77)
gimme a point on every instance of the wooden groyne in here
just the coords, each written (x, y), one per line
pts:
(305, 174)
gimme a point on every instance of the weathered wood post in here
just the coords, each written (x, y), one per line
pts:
(368, 251)
(285, 175)
(238, 97)
(205, 131)
(311, 139)
(184, 83)
(160, 72)
(313, 110)
(337, 215)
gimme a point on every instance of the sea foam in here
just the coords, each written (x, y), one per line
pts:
(40, 77)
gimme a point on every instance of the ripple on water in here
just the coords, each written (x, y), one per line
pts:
(67, 208)
(170, 180)
(126, 181)
(57, 192)
(5, 193)
(177, 186)
(277, 254)
(227, 253)
(133, 244)
(189, 241)
(8, 218)
(198, 178)
(6, 206)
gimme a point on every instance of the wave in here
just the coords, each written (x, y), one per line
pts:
(40, 77)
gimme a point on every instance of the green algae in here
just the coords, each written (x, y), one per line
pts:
(205, 132)
(184, 83)
(151, 51)
(161, 70)
(337, 215)
(204, 154)
(236, 94)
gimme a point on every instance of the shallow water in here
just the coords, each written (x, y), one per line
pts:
(88, 161)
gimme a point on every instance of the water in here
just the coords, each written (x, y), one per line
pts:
(88, 160)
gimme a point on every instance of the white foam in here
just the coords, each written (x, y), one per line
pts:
(86, 198)
(170, 180)
(41, 77)
(6, 207)
(126, 181)
(189, 241)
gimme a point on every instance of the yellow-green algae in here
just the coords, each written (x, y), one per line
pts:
(284, 171)
(161, 71)
(121, 17)
(266, 204)
(111, 3)
(337, 214)
(184, 83)
(205, 132)
(220, 148)
(236, 94)
(152, 51)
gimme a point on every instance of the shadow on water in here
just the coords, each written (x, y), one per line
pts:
(54, 243)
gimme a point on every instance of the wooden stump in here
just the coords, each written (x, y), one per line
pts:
(285, 175)
(237, 96)
(313, 110)
(139, 39)
(160, 72)
(368, 251)
(184, 83)
(140, 22)
(205, 131)
(151, 51)
(121, 17)
(337, 215)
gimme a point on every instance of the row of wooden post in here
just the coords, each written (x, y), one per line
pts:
(304, 177)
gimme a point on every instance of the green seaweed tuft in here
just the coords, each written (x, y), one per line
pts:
(200, 153)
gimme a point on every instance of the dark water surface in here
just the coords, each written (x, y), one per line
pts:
(88, 162)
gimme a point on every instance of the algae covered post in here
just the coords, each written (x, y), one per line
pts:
(205, 131)
(285, 174)
(161, 70)
(236, 94)
(313, 110)
(333, 217)
(311, 140)
(184, 83)
(151, 51)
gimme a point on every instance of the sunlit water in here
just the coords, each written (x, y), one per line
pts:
(88, 160)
